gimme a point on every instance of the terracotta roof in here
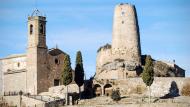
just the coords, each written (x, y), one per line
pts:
(55, 52)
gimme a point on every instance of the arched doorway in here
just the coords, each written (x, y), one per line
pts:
(97, 90)
(108, 89)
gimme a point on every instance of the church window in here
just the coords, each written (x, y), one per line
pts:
(31, 29)
(41, 29)
(56, 61)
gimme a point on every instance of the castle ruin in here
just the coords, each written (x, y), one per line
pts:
(122, 60)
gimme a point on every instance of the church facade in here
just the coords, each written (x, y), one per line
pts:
(36, 70)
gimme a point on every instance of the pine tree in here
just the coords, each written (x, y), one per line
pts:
(79, 71)
(148, 73)
(66, 73)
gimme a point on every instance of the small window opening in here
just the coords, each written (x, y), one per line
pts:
(31, 29)
(41, 29)
(107, 94)
(56, 61)
(56, 82)
(123, 13)
(122, 22)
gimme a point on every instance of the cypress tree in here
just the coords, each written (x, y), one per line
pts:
(79, 71)
(148, 73)
(66, 74)
(67, 71)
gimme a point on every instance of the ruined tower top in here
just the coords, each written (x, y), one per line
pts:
(125, 35)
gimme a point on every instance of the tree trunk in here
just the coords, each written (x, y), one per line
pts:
(67, 101)
(149, 95)
(79, 93)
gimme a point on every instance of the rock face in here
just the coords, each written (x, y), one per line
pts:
(162, 69)
(117, 64)
(60, 91)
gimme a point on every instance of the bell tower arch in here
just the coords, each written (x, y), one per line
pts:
(36, 30)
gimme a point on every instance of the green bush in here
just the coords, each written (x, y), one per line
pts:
(116, 95)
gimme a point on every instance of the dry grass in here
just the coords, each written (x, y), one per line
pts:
(186, 90)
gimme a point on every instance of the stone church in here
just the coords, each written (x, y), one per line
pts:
(36, 70)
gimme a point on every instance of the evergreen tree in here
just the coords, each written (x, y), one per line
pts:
(79, 71)
(148, 73)
(66, 74)
(67, 71)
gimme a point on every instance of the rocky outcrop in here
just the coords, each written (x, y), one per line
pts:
(119, 64)
(162, 69)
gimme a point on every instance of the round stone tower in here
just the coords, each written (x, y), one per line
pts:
(125, 37)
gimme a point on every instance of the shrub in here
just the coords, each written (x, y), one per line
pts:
(186, 89)
(116, 95)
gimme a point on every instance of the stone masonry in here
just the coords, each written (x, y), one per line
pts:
(37, 70)
(123, 59)
(120, 64)
(124, 55)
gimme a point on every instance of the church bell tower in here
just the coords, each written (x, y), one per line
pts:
(36, 54)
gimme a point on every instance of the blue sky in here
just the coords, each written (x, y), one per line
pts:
(87, 24)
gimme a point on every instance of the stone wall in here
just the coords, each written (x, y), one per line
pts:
(60, 91)
(125, 36)
(13, 70)
(15, 100)
(160, 87)
(125, 46)
(15, 82)
(42, 70)
(37, 72)
(104, 56)
(55, 67)
(13, 63)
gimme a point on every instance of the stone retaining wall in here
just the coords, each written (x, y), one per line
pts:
(160, 87)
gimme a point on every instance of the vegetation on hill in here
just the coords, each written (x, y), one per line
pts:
(186, 89)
